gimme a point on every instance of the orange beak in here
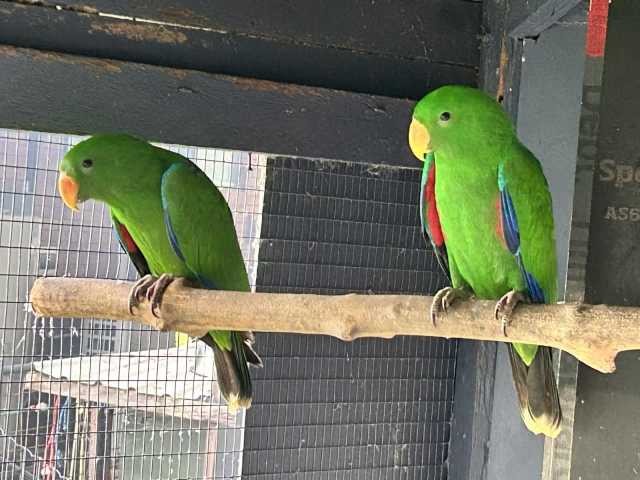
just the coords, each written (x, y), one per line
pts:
(68, 189)
(419, 140)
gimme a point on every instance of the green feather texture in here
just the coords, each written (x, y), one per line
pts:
(477, 156)
(181, 224)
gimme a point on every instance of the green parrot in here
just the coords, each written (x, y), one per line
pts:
(486, 210)
(173, 222)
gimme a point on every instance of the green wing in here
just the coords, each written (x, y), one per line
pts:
(529, 191)
(201, 232)
(527, 226)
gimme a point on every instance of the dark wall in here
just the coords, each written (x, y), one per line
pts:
(606, 441)
(371, 409)
(337, 227)
(552, 68)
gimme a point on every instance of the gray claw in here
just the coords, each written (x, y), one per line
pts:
(152, 288)
(155, 292)
(443, 299)
(505, 307)
(138, 290)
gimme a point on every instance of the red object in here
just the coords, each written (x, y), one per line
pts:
(433, 219)
(597, 27)
(127, 239)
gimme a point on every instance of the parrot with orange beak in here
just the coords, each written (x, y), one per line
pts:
(173, 222)
(486, 211)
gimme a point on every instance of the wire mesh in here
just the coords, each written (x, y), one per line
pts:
(325, 409)
(98, 399)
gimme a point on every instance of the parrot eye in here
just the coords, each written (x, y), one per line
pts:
(445, 116)
(88, 163)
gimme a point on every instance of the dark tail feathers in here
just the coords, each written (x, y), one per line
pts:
(537, 392)
(232, 370)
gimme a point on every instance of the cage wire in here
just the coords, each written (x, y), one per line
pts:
(371, 409)
(99, 399)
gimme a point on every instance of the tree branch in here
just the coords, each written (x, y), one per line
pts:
(592, 333)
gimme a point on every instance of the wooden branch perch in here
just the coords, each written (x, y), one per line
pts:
(592, 333)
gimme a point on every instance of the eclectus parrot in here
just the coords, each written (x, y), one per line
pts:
(173, 222)
(486, 209)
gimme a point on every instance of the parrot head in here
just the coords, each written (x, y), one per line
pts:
(453, 116)
(101, 167)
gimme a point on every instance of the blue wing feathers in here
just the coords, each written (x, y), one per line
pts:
(510, 222)
(512, 238)
(171, 233)
(173, 239)
(535, 291)
(205, 282)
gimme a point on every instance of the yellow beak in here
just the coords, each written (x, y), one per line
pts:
(68, 189)
(419, 140)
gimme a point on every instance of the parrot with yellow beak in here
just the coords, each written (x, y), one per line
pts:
(173, 222)
(486, 211)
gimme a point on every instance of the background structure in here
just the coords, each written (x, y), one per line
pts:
(330, 207)
(369, 409)
(339, 211)
(125, 371)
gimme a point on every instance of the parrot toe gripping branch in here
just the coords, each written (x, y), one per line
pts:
(152, 288)
(443, 299)
(505, 307)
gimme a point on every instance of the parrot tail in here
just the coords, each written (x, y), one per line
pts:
(232, 370)
(537, 392)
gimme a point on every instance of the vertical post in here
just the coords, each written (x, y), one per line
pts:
(92, 438)
(104, 462)
(558, 451)
(212, 447)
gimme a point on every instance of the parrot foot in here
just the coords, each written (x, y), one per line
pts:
(443, 299)
(138, 290)
(152, 288)
(505, 307)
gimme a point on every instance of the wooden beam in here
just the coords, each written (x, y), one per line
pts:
(593, 334)
(442, 30)
(544, 17)
(231, 52)
(72, 94)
